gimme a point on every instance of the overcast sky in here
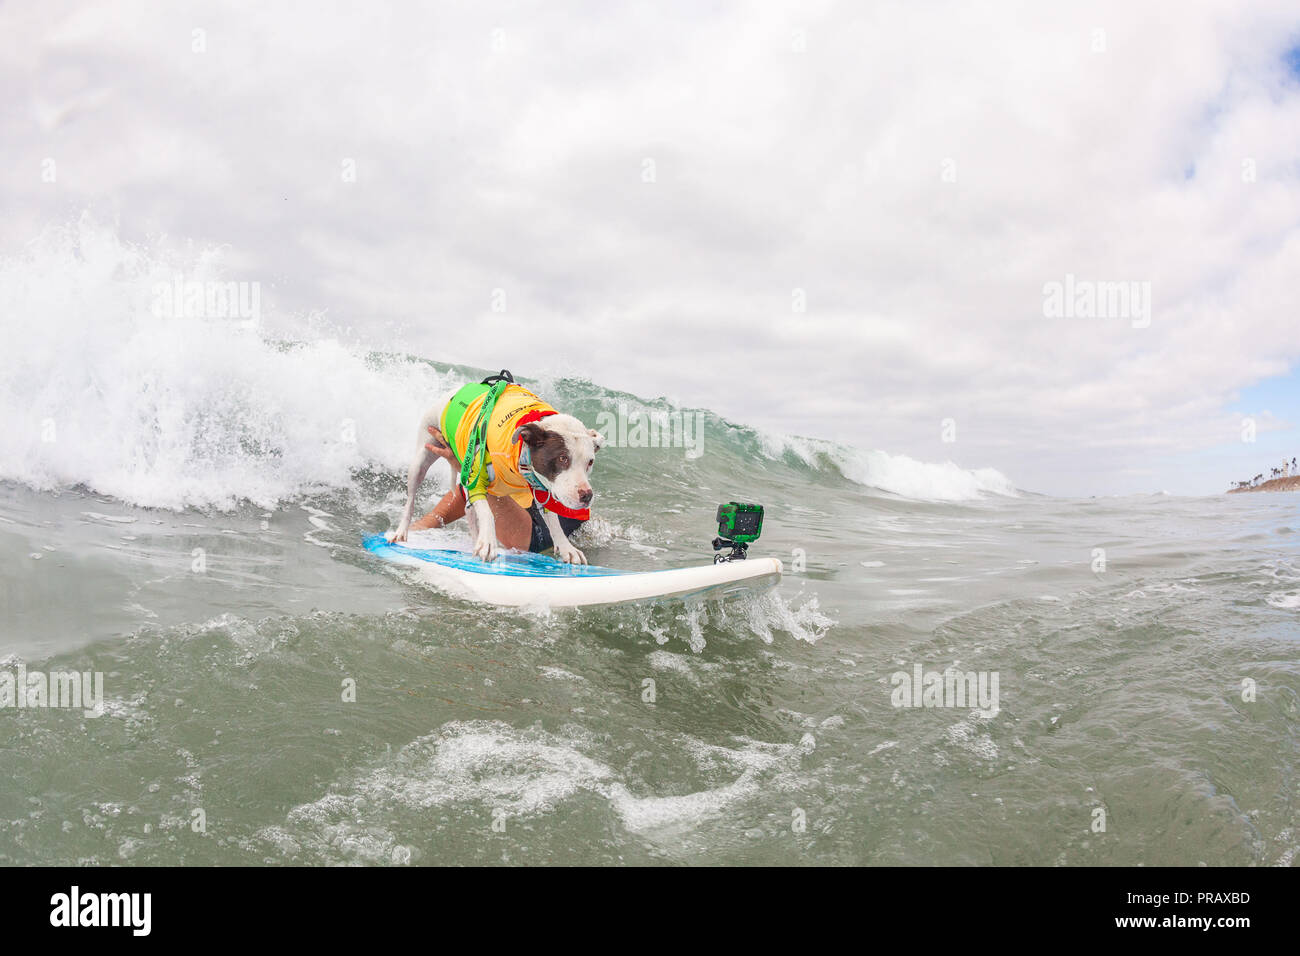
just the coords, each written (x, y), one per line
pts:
(830, 219)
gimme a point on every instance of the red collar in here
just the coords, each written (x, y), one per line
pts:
(535, 415)
(551, 503)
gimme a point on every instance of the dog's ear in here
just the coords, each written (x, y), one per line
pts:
(532, 434)
(597, 437)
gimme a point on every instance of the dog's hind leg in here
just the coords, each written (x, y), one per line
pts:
(420, 464)
(414, 478)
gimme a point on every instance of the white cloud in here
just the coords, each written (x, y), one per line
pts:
(503, 146)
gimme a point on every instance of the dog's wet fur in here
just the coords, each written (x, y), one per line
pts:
(562, 450)
(546, 448)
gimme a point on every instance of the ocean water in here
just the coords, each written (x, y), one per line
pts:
(181, 506)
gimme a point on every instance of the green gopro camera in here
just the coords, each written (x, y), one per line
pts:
(738, 522)
(738, 525)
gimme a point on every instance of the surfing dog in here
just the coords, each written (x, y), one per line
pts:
(526, 483)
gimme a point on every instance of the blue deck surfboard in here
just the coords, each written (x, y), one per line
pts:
(517, 579)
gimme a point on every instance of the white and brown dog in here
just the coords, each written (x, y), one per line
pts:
(529, 488)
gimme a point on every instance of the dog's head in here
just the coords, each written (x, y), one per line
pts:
(563, 451)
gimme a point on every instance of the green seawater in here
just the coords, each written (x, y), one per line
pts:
(274, 695)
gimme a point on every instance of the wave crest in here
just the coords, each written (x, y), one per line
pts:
(166, 411)
(896, 474)
(97, 388)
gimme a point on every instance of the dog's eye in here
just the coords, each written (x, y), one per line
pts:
(564, 461)
(590, 463)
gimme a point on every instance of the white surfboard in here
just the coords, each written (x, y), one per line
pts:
(516, 579)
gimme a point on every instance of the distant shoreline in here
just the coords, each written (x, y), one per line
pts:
(1273, 484)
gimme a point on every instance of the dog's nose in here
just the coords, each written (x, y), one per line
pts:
(585, 496)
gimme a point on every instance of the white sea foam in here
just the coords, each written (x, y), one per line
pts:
(96, 389)
(897, 474)
(667, 661)
(518, 773)
(559, 673)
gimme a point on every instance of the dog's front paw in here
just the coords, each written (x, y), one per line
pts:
(570, 555)
(485, 547)
(398, 535)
